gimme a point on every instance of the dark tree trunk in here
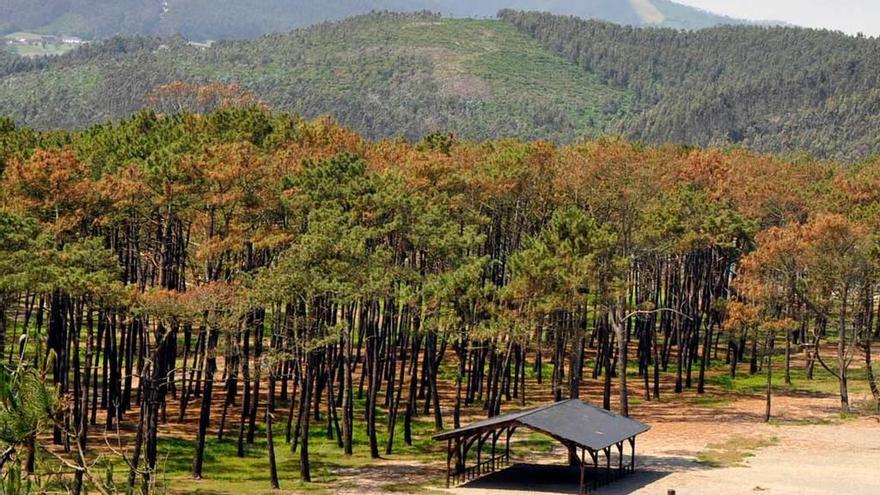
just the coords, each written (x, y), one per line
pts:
(205, 410)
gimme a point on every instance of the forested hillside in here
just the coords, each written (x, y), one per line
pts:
(189, 296)
(383, 74)
(783, 90)
(223, 19)
(773, 89)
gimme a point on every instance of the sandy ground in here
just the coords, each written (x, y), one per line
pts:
(842, 457)
(807, 460)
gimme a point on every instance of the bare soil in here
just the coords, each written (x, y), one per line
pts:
(813, 451)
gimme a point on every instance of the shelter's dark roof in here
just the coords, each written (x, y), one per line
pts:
(571, 420)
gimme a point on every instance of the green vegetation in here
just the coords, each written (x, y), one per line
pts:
(327, 301)
(33, 45)
(734, 451)
(225, 472)
(407, 487)
(822, 382)
(236, 19)
(531, 76)
(781, 90)
(382, 74)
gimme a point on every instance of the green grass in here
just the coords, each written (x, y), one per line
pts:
(409, 487)
(515, 68)
(42, 50)
(225, 472)
(834, 420)
(546, 371)
(532, 443)
(823, 382)
(35, 50)
(734, 451)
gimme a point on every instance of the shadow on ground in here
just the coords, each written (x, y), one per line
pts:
(557, 479)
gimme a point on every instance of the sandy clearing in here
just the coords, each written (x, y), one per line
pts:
(816, 459)
(828, 459)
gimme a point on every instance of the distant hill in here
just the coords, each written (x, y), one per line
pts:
(383, 74)
(526, 75)
(228, 19)
(775, 89)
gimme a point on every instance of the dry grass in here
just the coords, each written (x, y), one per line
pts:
(734, 451)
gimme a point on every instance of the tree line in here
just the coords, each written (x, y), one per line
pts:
(244, 268)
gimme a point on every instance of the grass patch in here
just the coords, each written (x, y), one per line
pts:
(734, 451)
(532, 443)
(409, 487)
(546, 371)
(869, 407)
(804, 422)
(225, 472)
(822, 382)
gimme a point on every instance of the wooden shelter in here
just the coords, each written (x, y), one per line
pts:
(586, 431)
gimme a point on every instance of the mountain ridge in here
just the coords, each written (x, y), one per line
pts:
(383, 74)
(527, 75)
(235, 19)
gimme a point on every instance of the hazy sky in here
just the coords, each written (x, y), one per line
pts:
(851, 16)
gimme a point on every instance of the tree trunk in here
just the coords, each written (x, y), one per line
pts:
(304, 468)
(270, 441)
(619, 324)
(770, 339)
(872, 380)
(205, 410)
(787, 357)
(347, 392)
(841, 352)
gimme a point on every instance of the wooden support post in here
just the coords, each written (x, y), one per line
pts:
(460, 461)
(594, 481)
(448, 460)
(632, 444)
(607, 451)
(583, 462)
(480, 442)
(572, 454)
(507, 445)
(495, 436)
(619, 459)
